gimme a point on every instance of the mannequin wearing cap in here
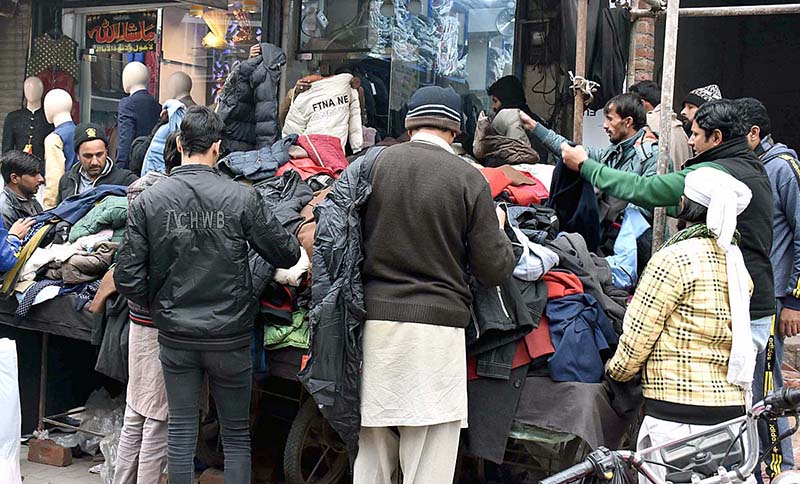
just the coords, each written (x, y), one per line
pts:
(180, 88)
(94, 167)
(26, 129)
(59, 155)
(138, 112)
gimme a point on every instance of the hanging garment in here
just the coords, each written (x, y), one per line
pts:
(55, 78)
(248, 103)
(575, 203)
(47, 52)
(154, 156)
(329, 106)
(625, 261)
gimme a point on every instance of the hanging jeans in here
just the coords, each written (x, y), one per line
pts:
(230, 379)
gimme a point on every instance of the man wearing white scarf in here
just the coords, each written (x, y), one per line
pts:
(725, 198)
(688, 326)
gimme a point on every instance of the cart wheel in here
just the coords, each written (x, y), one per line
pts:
(314, 452)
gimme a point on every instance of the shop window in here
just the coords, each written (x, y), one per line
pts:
(402, 45)
(202, 42)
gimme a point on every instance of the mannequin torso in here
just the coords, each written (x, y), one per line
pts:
(138, 112)
(26, 129)
(59, 152)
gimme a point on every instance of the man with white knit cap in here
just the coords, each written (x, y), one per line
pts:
(694, 100)
(688, 326)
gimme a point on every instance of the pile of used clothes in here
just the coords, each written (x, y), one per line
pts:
(69, 249)
(559, 315)
(292, 176)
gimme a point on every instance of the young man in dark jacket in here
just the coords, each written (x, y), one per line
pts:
(94, 167)
(783, 171)
(419, 252)
(185, 257)
(22, 174)
(718, 138)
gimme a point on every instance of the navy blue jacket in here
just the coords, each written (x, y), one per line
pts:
(582, 336)
(138, 113)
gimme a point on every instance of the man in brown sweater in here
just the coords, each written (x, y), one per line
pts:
(429, 224)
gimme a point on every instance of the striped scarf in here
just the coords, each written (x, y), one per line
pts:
(697, 231)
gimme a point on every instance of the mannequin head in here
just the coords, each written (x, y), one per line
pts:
(180, 85)
(134, 77)
(33, 90)
(57, 107)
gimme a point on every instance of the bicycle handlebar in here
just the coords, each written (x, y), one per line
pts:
(777, 403)
(783, 400)
(571, 474)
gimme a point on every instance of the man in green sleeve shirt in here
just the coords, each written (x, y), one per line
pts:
(625, 122)
(719, 139)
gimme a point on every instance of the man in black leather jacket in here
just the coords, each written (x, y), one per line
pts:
(185, 255)
(22, 176)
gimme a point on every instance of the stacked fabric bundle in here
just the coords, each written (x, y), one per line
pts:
(292, 176)
(558, 316)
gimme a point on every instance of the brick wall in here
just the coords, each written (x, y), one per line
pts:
(644, 64)
(14, 37)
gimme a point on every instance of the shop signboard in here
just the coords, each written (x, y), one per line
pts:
(122, 32)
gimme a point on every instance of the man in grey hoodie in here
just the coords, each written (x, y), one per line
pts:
(783, 171)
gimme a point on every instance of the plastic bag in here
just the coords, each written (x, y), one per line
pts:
(103, 415)
(10, 413)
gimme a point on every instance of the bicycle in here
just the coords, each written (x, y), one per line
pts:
(713, 456)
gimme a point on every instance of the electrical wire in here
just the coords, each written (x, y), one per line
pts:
(663, 464)
(733, 442)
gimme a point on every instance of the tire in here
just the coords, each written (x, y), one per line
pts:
(314, 453)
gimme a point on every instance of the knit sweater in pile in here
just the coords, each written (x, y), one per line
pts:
(429, 223)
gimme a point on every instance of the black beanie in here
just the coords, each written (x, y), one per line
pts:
(88, 132)
(434, 107)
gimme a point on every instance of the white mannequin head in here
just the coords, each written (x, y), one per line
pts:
(179, 85)
(57, 107)
(134, 77)
(33, 90)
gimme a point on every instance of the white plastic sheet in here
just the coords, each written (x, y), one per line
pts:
(10, 414)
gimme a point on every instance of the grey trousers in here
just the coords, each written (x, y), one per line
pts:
(426, 455)
(142, 452)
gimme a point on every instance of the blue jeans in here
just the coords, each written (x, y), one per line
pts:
(769, 341)
(230, 379)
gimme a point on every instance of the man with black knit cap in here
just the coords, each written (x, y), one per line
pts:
(419, 253)
(94, 167)
(694, 100)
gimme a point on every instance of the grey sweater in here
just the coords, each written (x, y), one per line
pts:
(783, 171)
(429, 224)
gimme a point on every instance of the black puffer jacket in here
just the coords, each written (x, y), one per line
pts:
(248, 103)
(333, 373)
(185, 256)
(285, 196)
